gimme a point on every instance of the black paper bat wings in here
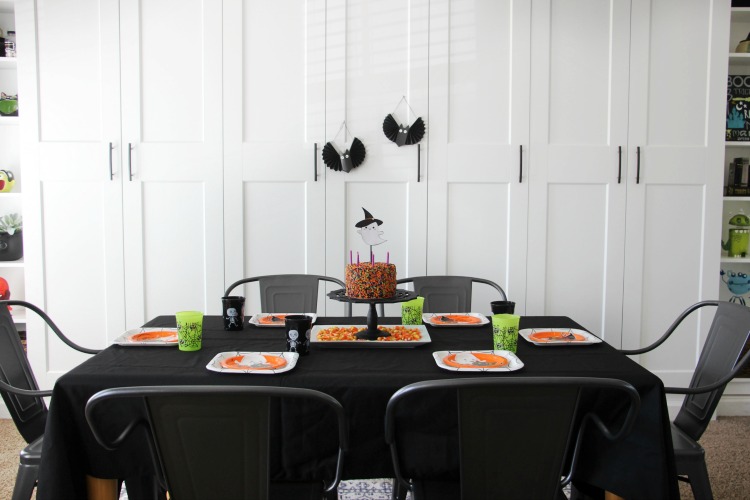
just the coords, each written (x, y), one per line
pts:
(401, 134)
(349, 159)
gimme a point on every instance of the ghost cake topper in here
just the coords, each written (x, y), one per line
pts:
(349, 159)
(369, 229)
(403, 134)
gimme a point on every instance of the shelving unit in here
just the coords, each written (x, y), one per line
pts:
(12, 271)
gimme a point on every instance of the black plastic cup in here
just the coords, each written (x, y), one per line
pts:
(298, 329)
(503, 307)
(233, 308)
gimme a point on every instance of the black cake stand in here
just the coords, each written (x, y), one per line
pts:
(372, 332)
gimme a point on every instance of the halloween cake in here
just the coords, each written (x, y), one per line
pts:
(370, 281)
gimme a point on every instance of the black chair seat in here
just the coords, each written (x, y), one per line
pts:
(32, 453)
(685, 448)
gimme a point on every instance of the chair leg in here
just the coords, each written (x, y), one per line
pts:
(25, 482)
(699, 482)
(398, 491)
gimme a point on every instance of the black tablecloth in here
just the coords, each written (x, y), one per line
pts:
(362, 379)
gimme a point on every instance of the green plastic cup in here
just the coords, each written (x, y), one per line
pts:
(411, 311)
(189, 330)
(505, 332)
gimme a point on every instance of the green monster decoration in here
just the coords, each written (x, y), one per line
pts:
(739, 236)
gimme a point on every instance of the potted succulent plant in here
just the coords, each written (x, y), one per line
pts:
(11, 240)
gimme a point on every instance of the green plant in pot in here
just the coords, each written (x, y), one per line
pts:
(11, 240)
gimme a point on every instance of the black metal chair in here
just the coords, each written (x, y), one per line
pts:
(514, 435)
(444, 294)
(22, 396)
(717, 365)
(284, 293)
(213, 441)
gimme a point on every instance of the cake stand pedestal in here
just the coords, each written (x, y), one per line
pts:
(372, 332)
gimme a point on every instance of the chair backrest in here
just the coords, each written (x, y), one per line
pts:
(213, 442)
(444, 294)
(726, 338)
(28, 412)
(284, 293)
(514, 434)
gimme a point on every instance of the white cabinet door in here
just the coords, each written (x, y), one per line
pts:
(376, 53)
(73, 213)
(274, 87)
(479, 144)
(579, 110)
(674, 199)
(172, 156)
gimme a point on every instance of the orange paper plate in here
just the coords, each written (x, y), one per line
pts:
(236, 363)
(487, 361)
(253, 363)
(556, 336)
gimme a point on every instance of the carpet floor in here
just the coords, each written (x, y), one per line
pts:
(725, 442)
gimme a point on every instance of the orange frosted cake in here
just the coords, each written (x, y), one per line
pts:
(370, 281)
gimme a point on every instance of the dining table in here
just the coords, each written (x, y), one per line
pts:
(362, 378)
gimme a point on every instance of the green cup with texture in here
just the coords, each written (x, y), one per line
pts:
(505, 332)
(411, 311)
(189, 330)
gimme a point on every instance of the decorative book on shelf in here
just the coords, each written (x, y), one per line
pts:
(738, 108)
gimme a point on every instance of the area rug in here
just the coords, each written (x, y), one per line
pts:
(366, 489)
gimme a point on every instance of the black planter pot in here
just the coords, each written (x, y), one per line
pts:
(11, 246)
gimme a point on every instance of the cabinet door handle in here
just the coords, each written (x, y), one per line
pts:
(638, 165)
(315, 163)
(111, 173)
(520, 163)
(619, 164)
(419, 161)
(130, 161)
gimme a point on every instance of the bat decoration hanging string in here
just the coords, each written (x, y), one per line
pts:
(349, 159)
(403, 134)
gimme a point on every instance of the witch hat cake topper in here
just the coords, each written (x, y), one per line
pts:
(403, 134)
(368, 229)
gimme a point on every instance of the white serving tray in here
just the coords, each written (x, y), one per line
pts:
(383, 344)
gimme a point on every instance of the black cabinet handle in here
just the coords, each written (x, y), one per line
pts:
(419, 161)
(619, 164)
(315, 163)
(520, 163)
(638, 165)
(111, 173)
(130, 161)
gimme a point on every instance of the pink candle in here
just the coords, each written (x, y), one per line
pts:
(388, 257)
(372, 258)
(350, 257)
(357, 258)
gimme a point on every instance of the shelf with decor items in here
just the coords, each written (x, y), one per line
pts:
(734, 267)
(12, 264)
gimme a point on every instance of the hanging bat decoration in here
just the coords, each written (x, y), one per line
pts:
(349, 159)
(403, 134)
